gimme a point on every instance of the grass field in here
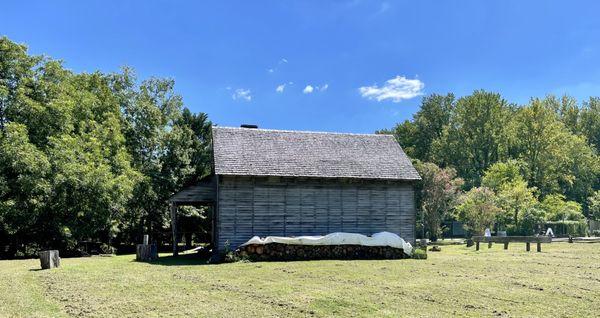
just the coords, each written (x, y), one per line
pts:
(563, 280)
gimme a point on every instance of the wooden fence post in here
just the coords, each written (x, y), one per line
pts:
(174, 228)
(528, 246)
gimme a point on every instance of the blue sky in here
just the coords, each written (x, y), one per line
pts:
(368, 62)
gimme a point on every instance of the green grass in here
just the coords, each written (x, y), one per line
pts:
(563, 280)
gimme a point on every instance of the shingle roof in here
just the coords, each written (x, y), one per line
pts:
(263, 152)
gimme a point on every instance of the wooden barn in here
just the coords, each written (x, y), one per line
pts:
(292, 183)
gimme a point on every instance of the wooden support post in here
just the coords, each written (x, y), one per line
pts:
(174, 227)
(477, 246)
(528, 246)
(506, 245)
(490, 244)
(539, 246)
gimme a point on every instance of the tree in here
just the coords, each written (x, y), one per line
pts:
(515, 198)
(554, 159)
(417, 136)
(440, 189)
(24, 184)
(90, 156)
(472, 141)
(590, 122)
(501, 174)
(559, 209)
(478, 210)
(594, 206)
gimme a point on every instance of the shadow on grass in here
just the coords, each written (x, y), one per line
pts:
(181, 260)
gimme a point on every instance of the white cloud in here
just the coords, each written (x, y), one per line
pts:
(271, 70)
(308, 89)
(323, 88)
(283, 60)
(242, 93)
(395, 89)
(280, 88)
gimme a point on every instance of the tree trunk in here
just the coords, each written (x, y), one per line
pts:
(49, 259)
(146, 253)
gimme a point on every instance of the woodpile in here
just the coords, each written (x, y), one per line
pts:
(290, 252)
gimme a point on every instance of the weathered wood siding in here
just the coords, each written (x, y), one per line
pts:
(262, 206)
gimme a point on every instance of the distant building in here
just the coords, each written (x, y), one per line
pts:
(291, 183)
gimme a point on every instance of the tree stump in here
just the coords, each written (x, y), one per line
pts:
(146, 252)
(49, 259)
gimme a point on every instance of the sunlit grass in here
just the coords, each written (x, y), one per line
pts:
(563, 280)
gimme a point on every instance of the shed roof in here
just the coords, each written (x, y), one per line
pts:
(264, 152)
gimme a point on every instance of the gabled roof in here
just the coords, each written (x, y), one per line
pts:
(263, 152)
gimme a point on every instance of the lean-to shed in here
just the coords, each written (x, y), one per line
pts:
(290, 183)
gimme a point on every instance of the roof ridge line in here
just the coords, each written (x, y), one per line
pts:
(301, 131)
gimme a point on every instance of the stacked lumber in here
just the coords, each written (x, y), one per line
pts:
(291, 252)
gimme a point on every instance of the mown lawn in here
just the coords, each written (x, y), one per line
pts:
(563, 280)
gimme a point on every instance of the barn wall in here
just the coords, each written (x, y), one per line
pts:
(291, 207)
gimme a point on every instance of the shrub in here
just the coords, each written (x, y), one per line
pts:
(419, 253)
(107, 249)
(478, 210)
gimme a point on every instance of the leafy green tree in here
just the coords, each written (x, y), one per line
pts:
(90, 156)
(555, 160)
(24, 184)
(515, 199)
(472, 141)
(502, 173)
(417, 136)
(594, 206)
(440, 189)
(590, 122)
(559, 209)
(478, 210)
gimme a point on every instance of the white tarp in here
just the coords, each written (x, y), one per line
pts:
(339, 238)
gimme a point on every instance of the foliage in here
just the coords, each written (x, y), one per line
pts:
(478, 210)
(419, 253)
(515, 199)
(559, 209)
(89, 156)
(440, 189)
(594, 206)
(501, 174)
(548, 146)
(472, 141)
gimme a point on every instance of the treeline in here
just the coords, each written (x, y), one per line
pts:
(89, 156)
(486, 161)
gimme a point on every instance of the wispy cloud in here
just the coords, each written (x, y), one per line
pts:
(310, 88)
(395, 89)
(242, 94)
(271, 70)
(280, 88)
(283, 60)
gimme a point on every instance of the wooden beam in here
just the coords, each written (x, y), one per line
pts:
(174, 227)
